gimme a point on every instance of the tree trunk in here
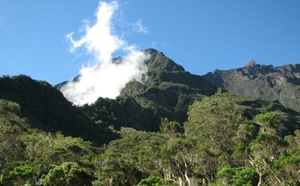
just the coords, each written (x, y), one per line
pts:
(260, 177)
(187, 178)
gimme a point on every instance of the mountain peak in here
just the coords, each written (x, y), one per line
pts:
(159, 60)
(251, 63)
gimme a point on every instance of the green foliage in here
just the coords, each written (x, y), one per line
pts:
(22, 171)
(236, 176)
(294, 143)
(21, 175)
(128, 160)
(170, 126)
(47, 109)
(68, 173)
(287, 168)
(152, 181)
(272, 121)
(215, 121)
(26, 153)
(225, 139)
(8, 106)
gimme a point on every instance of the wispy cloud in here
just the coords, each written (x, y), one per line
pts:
(139, 27)
(160, 45)
(104, 78)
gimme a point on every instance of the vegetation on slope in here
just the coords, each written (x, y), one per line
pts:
(47, 109)
(172, 129)
(227, 140)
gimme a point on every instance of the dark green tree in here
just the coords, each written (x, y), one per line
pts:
(68, 173)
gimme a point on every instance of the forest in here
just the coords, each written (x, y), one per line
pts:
(220, 144)
(175, 129)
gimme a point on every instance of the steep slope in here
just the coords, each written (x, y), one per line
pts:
(261, 81)
(47, 109)
(169, 88)
(166, 92)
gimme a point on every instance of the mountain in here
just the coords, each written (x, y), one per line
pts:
(261, 81)
(174, 128)
(47, 109)
(166, 92)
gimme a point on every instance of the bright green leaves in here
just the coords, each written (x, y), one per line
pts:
(8, 106)
(128, 160)
(10, 122)
(218, 111)
(294, 143)
(287, 168)
(215, 121)
(50, 148)
(170, 126)
(22, 171)
(225, 141)
(243, 176)
(69, 174)
(245, 133)
(269, 146)
(21, 175)
(272, 122)
(227, 136)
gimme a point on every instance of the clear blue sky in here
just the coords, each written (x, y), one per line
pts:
(201, 35)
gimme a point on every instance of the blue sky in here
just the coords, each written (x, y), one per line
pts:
(201, 35)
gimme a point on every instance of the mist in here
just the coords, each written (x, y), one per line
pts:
(101, 77)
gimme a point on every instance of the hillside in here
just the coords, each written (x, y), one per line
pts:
(174, 128)
(46, 109)
(262, 81)
(167, 92)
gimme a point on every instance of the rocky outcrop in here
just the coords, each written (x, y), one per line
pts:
(262, 81)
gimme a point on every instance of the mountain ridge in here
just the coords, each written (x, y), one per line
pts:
(261, 81)
(167, 92)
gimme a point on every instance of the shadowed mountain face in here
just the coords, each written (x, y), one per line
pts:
(166, 92)
(261, 81)
(47, 109)
(168, 89)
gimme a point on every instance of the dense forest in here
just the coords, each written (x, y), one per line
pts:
(174, 129)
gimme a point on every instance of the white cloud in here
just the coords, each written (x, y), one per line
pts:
(139, 27)
(104, 78)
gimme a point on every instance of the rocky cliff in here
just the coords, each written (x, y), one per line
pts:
(262, 81)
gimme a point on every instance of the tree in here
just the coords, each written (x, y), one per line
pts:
(21, 175)
(68, 173)
(214, 122)
(228, 175)
(271, 122)
(179, 160)
(172, 127)
(268, 146)
(287, 168)
(245, 134)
